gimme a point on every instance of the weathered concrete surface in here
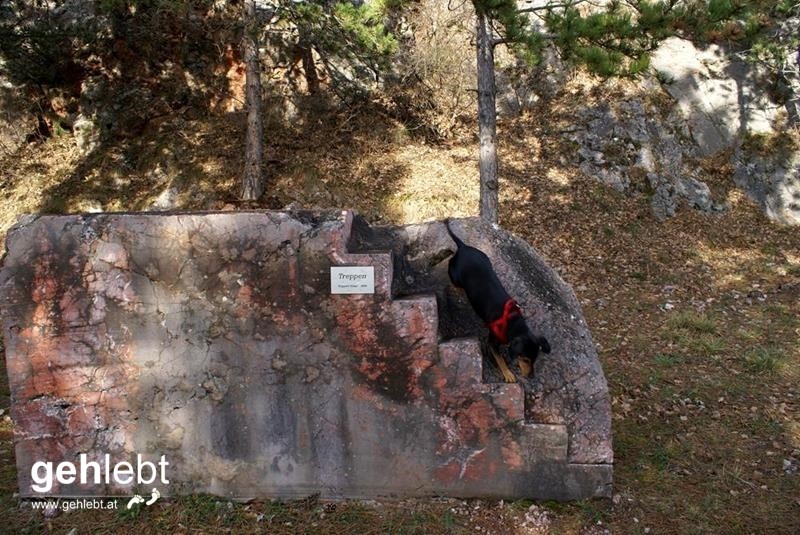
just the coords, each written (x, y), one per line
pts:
(213, 339)
(568, 386)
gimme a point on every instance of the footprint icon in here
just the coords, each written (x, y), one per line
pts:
(156, 495)
(136, 499)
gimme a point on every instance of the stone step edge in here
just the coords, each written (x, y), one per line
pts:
(550, 438)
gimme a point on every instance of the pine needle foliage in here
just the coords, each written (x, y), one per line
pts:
(616, 39)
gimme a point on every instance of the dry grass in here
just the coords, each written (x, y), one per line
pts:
(697, 319)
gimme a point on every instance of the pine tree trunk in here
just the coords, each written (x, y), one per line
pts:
(487, 118)
(793, 102)
(310, 69)
(252, 179)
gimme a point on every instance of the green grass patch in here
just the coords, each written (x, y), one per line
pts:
(448, 520)
(667, 360)
(639, 275)
(707, 345)
(695, 333)
(781, 316)
(659, 458)
(655, 377)
(404, 522)
(694, 322)
(125, 514)
(764, 360)
(278, 513)
(764, 427)
(200, 509)
(593, 510)
(521, 505)
(701, 344)
(353, 513)
(748, 335)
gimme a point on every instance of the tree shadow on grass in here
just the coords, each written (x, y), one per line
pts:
(154, 83)
(322, 157)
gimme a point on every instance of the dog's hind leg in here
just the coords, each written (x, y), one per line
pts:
(501, 363)
(525, 367)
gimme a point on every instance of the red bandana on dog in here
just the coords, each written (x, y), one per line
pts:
(499, 327)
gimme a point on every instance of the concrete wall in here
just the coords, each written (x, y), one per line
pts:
(213, 340)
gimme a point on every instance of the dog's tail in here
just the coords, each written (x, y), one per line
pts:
(452, 235)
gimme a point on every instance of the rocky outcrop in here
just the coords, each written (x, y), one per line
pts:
(772, 178)
(718, 95)
(720, 103)
(726, 101)
(214, 340)
(631, 148)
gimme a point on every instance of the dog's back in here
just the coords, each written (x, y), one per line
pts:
(472, 270)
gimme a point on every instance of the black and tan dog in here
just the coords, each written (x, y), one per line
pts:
(472, 270)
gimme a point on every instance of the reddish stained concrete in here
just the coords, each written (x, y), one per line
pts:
(62, 399)
(246, 371)
(480, 418)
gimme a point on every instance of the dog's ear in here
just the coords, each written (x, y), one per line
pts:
(544, 345)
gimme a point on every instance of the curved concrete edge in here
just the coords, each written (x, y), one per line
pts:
(568, 386)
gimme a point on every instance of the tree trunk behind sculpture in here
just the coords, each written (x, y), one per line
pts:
(487, 118)
(252, 179)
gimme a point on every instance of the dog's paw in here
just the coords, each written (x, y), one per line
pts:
(525, 366)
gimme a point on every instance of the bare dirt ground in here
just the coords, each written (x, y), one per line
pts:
(697, 320)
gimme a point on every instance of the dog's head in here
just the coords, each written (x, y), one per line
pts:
(528, 347)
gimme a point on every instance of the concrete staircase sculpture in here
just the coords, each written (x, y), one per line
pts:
(213, 340)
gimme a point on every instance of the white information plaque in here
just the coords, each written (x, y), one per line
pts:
(352, 279)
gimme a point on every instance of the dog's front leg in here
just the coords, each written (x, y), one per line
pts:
(523, 363)
(501, 362)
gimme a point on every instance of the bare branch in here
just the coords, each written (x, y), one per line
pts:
(451, 8)
(551, 6)
(505, 41)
